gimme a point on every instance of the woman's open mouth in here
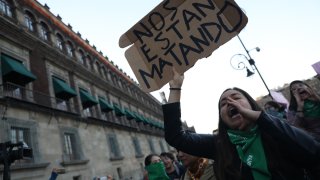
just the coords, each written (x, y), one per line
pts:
(232, 112)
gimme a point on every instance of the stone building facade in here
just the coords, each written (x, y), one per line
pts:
(76, 109)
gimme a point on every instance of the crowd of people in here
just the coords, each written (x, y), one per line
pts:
(273, 142)
(183, 166)
(252, 142)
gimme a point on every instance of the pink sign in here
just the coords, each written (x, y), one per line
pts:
(278, 97)
(316, 67)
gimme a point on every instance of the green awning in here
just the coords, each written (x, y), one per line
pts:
(129, 114)
(15, 72)
(86, 99)
(145, 120)
(139, 118)
(105, 106)
(62, 89)
(118, 110)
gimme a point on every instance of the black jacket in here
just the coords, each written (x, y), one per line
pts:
(294, 148)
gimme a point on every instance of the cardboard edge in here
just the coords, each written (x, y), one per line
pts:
(124, 41)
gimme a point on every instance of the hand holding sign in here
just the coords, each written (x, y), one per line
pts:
(176, 34)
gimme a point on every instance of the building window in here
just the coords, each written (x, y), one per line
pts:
(95, 67)
(87, 112)
(70, 149)
(5, 8)
(29, 21)
(151, 146)
(89, 62)
(108, 75)
(61, 104)
(137, 147)
(19, 134)
(82, 57)
(44, 31)
(114, 147)
(69, 49)
(59, 42)
(13, 90)
(71, 144)
(120, 83)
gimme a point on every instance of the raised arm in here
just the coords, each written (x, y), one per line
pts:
(175, 87)
(191, 143)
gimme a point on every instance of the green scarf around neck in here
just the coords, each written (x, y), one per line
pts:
(156, 171)
(251, 152)
(311, 109)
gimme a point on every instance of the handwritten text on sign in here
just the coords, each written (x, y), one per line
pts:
(178, 36)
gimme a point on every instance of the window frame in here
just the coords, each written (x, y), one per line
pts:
(113, 144)
(6, 8)
(137, 147)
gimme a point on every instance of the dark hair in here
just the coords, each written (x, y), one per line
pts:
(280, 107)
(168, 154)
(293, 102)
(147, 160)
(227, 152)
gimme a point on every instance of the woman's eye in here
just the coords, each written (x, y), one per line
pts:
(236, 98)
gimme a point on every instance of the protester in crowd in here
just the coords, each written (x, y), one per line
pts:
(173, 169)
(54, 174)
(154, 167)
(197, 168)
(250, 144)
(275, 109)
(304, 108)
(108, 177)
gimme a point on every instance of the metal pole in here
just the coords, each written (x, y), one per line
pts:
(251, 62)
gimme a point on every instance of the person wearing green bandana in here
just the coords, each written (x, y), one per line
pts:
(154, 167)
(304, 108)
(249, 144)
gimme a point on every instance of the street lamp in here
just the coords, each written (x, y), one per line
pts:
(240, 64)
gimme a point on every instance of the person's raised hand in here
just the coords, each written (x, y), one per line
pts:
(177, 80)
(300, 102)
(249, 116)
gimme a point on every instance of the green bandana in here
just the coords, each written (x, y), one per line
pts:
(251, 152)
(311, 109)
(156, 171)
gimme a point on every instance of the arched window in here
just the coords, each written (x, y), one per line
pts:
(5, 8)
(44, 31)
(97, 67)
(104, 72)
(89, 62)
(82, 58)
(69, 49)
(119, 82)
(29, 21)
(59, 42)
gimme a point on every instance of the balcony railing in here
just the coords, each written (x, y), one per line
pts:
(21, 93)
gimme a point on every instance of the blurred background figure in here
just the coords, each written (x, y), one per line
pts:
(304, 108)
(154, 168)
(197, 168)
(275, 109)
(173, 168)
(55, 172)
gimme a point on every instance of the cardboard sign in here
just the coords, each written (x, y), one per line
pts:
(177, 33)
